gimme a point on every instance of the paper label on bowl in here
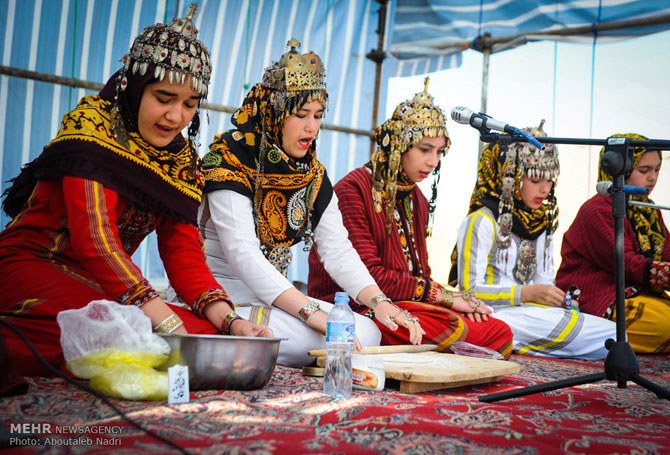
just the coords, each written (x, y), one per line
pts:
(178, 390)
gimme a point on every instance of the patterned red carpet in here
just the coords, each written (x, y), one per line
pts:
(291, 416)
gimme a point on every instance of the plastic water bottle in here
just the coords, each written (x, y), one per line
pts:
(339, 346)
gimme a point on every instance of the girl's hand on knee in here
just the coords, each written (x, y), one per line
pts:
(392, 317)
(470, 305)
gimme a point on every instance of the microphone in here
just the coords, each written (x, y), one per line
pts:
(465, 116)
(481, 121)
(605, 187)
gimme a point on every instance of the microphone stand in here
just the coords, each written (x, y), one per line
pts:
(621, 364)
(647, 204)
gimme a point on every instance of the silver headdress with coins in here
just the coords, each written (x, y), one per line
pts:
(169, 50)
(524, 159)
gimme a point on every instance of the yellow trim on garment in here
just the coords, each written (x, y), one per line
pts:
(512, 294)
(259, 315)
(499, 296)
(467, 249)
(26, 206)
(537, 304)
(489, 272)
(574, 317)
(98, 216)
(22, 306)
(455, 336)
(507, 351)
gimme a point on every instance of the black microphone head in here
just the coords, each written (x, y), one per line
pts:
(461, 114)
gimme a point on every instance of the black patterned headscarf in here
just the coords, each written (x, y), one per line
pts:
(645, 220)
(289, 194)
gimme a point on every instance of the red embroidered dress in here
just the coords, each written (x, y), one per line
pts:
(90, 202)
(588, 256)
(588, 263)
(399, 264)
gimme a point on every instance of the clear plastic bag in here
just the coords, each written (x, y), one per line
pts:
(132, 382)
(472, 350)
(113, 346)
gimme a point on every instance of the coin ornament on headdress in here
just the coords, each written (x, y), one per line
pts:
(538, 163)
(420, 117)
(296, 71)
(175, 52)
(412, 120)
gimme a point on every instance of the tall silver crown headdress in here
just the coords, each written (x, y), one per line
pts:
(526, 160)
(172, 50)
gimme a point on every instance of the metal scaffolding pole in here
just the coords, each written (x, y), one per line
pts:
(96, 87)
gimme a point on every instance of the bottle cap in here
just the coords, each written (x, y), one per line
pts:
(341, 297)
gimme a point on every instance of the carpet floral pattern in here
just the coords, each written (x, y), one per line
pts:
(290, 415)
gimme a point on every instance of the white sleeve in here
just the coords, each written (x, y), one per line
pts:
(232, 214)
(337, 254)
(476, 271)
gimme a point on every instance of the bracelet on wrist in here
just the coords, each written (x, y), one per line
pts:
(169, 324)
(374, 301)
(309, 309)
(228, 322)
(447, 298)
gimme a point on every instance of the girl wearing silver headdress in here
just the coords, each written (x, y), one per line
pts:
(505, 254)
(118, 169)
(388, 220)
(263, 178)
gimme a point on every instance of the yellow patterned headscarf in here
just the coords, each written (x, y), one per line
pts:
(499, 176)
(645, 220)
(167, 180)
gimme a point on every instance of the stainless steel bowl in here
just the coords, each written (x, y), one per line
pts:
(218, 362)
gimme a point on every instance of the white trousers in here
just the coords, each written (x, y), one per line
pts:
(556, 332)
(300, 338)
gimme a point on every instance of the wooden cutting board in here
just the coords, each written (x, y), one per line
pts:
(426, 371)
(383, 349)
